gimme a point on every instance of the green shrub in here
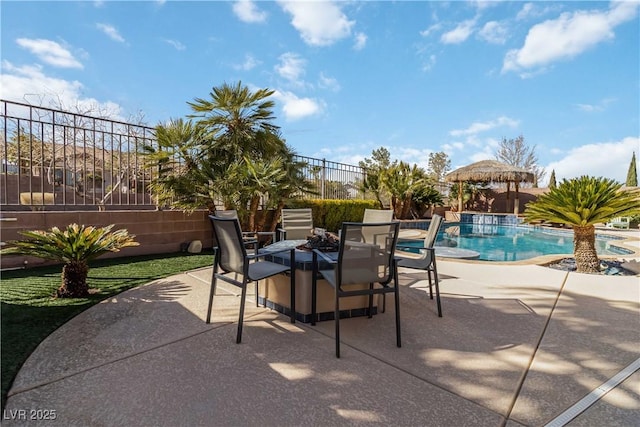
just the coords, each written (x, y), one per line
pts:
(330, 213)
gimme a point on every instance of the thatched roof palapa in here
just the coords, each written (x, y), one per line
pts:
(490, 171)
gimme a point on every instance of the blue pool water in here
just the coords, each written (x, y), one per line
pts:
(514, 243)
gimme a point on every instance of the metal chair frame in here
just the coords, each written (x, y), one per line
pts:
(231, 257)
(339, 276)
(427, 261)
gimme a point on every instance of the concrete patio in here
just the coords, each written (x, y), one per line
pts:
(517, 346)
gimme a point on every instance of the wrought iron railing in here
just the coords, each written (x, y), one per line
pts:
(59, 160)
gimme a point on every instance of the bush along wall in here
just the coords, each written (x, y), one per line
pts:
(330, 213)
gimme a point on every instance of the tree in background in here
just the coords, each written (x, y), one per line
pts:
(229, 152)
(408, 189)
(552, 179)
(515, 152)
(581, 203)
(632, 173)
(439, 165)
(402, 181)
(372, 184)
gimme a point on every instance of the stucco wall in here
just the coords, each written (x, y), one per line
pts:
(156, 231)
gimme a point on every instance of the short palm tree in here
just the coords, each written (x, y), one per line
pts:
(581, 203)
(75, 247)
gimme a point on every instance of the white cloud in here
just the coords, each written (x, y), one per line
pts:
(291, 67)
(361, 41)
(249, 63)
(479, 127)
(295, 108)
(460, 33)
(452, 146)
(176, 44)
(525, 12)
(110, 31)
(50, 52)
(531, 10)
(591, 108)
(247, 11)
(30, 85)
(328, 83)
(433, 28)
(319, 23)
(494, 32)
(429, 63)
(568, 36)
(606, 159)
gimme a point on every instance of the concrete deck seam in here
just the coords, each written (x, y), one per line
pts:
(110, 362)
(535, 350)
(595, 395)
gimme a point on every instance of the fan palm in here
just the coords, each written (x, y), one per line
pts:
(75, 247)
(581, 203)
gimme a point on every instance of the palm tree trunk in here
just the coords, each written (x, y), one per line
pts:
(74, 280)
(584, 249)
(253, 210)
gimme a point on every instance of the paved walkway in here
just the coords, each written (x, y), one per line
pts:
(517, 346)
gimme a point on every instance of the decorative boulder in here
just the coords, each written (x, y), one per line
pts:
(195, 247)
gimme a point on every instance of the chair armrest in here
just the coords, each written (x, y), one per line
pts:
(265, 233)
(421, 250)
(265, 253)
(325, 257)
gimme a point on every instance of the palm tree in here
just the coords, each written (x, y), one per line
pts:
(75, 247)
(236, 120)
(581, 203)
(230, 153)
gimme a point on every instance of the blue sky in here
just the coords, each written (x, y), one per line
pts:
(350, 77)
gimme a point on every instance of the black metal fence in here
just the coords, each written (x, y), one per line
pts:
(60, 160)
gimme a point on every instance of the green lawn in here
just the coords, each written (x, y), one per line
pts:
(29, 312)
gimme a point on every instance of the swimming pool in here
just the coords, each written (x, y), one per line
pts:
(514, 243)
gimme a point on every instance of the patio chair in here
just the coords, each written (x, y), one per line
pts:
(231, 257)
(427, 258)
(254, 236)
(621, 222)
(296, 224)
(376, 216)
(359, 261)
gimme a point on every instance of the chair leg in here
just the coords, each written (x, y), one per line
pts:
(241, 317)
(292, 272)
(257, 304)
(337, 320)
(397, 298)
(430, 284)
(314, 289)
(211, 294)
(435, 274)
(371, 301)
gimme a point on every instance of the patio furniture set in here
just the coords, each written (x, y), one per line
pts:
(342, 277)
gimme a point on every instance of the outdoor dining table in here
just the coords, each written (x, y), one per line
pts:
(274, 291)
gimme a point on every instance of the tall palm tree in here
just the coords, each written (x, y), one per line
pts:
(75, 247)
(225, 154)
(236, 119)
(581, 203)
